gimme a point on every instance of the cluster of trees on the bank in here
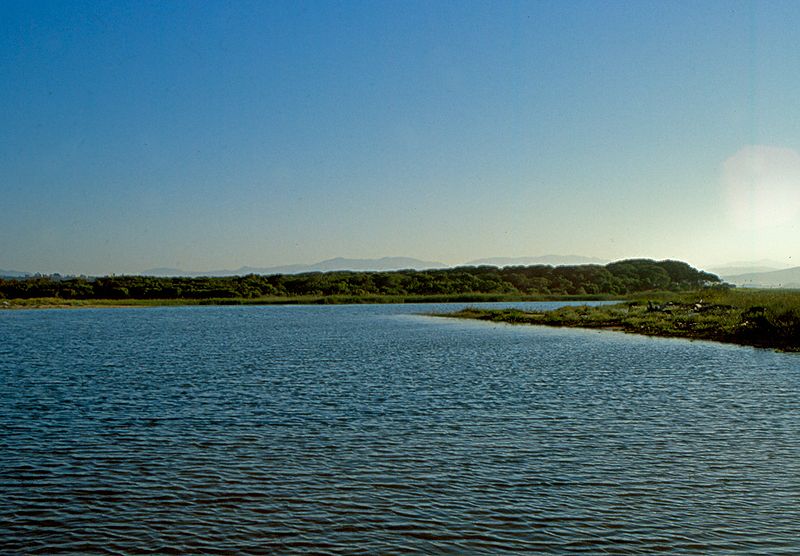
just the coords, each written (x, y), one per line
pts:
(622, 277)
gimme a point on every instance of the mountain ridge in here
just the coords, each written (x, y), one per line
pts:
(785, 278)
(14, 274)
(551, 260)
(380, 264)
(735, 268)
(742, 272)
(328, 265)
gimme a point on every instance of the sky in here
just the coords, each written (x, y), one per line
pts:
(212, 135)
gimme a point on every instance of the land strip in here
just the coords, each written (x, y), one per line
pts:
(620, 278)
(59, 303)
(761, 318)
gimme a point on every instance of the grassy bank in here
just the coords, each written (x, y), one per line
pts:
(762, 318)
(55, 302)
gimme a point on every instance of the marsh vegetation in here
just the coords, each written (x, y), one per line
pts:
(762, 318)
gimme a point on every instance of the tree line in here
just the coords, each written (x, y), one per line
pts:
(618, 278)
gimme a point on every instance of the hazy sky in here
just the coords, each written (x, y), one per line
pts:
(207, 135)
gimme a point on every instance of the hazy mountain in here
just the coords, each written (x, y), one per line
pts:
(786, 278)
(552, 260)
(165, 271)
(747, 267)
(385, 263)
(382, 264)
(339, 263)
(736, 270)
(13, 274)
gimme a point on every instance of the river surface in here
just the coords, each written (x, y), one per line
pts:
(376, 430)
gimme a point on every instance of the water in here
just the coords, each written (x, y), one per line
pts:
(371, 429)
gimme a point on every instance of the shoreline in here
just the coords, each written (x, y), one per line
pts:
(741, 318)
(58, 303)
(757, 318)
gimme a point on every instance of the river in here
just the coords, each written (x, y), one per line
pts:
(379, 430)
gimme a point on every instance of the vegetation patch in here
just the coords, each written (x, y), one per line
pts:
(468, 284)
(762, 318)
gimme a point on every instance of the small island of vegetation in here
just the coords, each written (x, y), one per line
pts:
(760, 318)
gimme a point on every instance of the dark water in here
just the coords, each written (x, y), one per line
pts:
(367, 429)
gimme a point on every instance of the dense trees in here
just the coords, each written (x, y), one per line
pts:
(621, 277)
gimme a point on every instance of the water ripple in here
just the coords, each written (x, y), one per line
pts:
(364, 430)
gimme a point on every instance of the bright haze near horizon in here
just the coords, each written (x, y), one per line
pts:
(205, 135)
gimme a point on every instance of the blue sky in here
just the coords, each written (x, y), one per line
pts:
(207, 135)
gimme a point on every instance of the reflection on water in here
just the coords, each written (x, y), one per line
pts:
(368, 429)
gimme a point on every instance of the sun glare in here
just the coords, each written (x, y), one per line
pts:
(762, 185)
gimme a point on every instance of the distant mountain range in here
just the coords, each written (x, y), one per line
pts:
(747, 267)
(736, 270)
(13, 274)
(785, 278)
(552, 260)
(329, 265)
(764, 273)
(382, 264)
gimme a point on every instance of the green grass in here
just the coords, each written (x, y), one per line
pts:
(763, 318)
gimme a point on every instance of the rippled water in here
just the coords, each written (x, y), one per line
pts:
(369, 429)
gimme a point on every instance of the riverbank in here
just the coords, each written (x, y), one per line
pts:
(760, 318)
(58, 303)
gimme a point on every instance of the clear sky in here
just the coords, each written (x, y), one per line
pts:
(208, 135)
